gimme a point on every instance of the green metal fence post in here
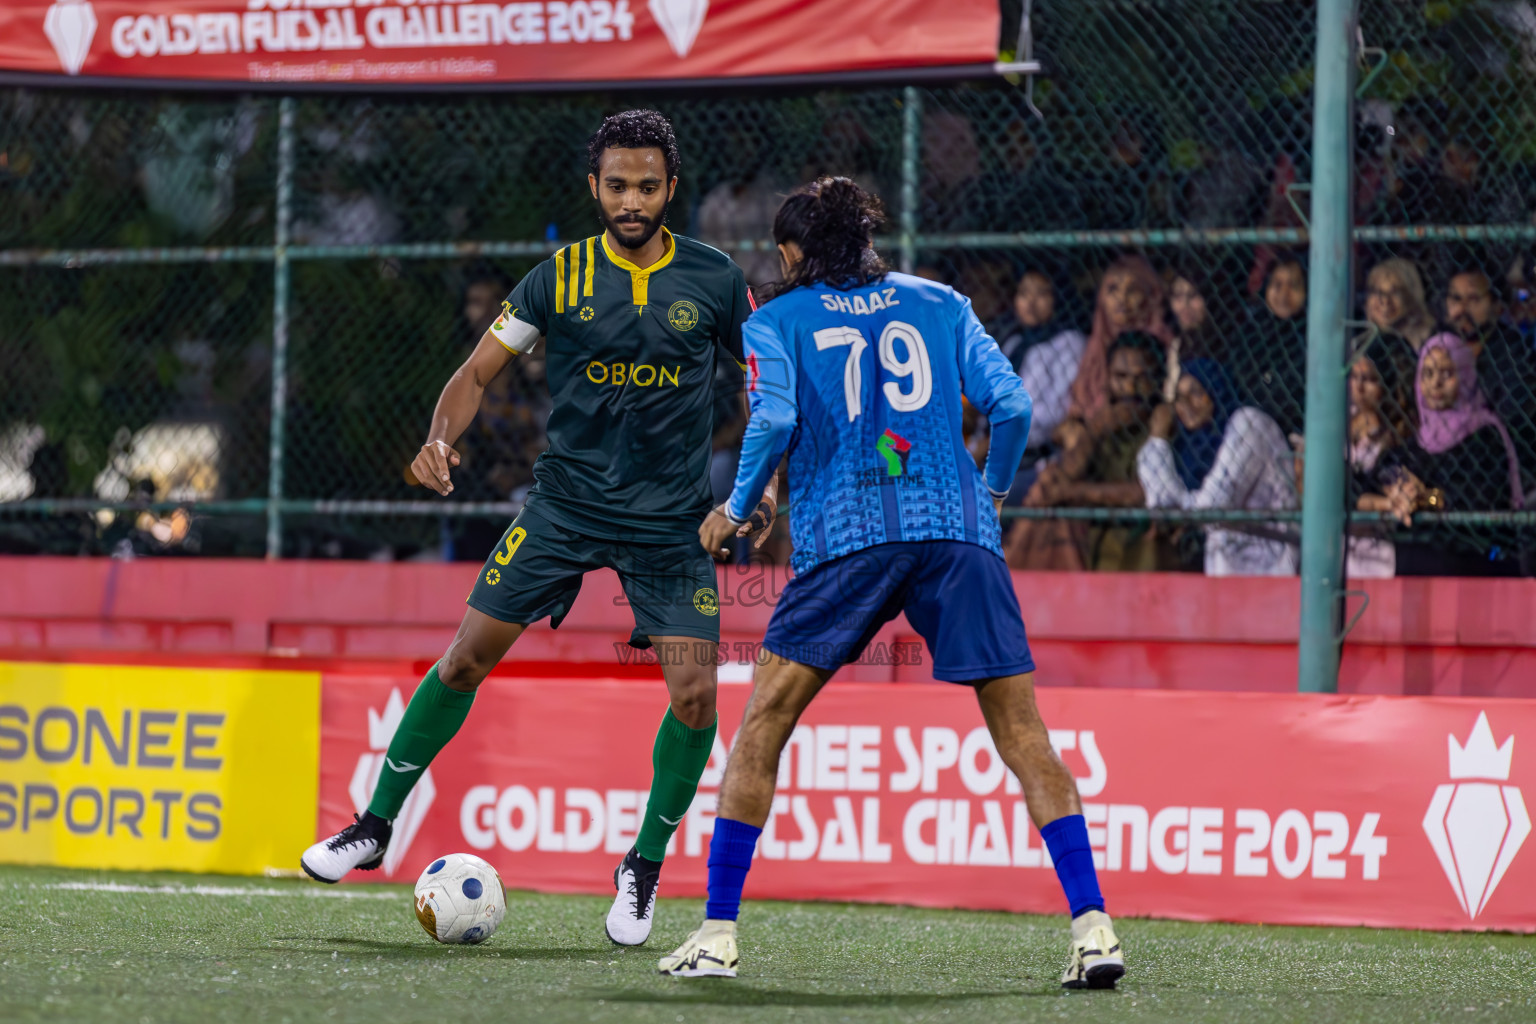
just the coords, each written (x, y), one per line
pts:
(280, 276)
(1322, 507)
(911, 169)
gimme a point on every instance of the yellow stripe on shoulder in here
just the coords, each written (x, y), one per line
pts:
(586, 287)
(575, 272)
(560, 281)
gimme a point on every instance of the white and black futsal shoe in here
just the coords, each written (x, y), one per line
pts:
(629, 920)
(360, 845)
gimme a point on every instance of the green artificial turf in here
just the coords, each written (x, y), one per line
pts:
(296, 951)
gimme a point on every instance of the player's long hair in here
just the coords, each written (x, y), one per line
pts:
(833, 221)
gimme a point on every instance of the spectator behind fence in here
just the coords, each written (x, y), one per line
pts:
(1273, 366)
(1195, 334)
(1030, 190)
(1206, 452)
(507, 435)
(493, 446)
(1130, 298)
(1395, 304)
(1096, 467)
(740, 209)
(1380, 423)
(1520, 286)
(1506, 362)
(1461, 460)
(1045, 349)
(1130, 187)
(1451, 188)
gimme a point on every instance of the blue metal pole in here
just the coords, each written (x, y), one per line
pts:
(1322, 507)
(280, 279)
(911, 171)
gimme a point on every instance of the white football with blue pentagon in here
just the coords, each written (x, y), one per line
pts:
(460, 899)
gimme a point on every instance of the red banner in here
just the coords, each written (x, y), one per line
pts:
(1382, 811)
(380, 42)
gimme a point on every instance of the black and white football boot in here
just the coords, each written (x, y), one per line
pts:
(629, 920)
(360, 845)
(1097, 960)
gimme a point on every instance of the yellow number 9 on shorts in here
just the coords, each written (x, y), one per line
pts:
(514, 538)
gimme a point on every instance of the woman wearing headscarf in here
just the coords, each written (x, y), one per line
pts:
(1045, 350)
(1195, 334)
(1130, 298)
(1209, 452)
(1273, 367)
(1461, 459)
(1395, 303)
(1380, 425)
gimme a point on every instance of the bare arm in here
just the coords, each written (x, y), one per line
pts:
(1374, 503)
(456, 409)
(1127, 494)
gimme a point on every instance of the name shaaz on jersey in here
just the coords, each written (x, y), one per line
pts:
(858, 305)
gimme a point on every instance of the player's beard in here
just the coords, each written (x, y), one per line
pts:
(652, 225)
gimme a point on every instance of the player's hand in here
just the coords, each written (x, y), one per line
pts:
(432, 464)
(759, 524)
(714, 531)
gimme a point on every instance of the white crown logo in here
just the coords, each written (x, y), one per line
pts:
(680, 20)
(1476, 828)
(381, 728)
(365, 778)
(70, 25)
(1480, 759)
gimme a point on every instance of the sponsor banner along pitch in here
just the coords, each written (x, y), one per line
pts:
(1402, 812)
(157, 768)
(383, 42)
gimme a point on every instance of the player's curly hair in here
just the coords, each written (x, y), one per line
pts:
(635, 129)
(833, 221)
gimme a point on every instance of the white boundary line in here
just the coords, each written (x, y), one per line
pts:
(220, 890)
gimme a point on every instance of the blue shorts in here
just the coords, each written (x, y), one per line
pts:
(959, 596)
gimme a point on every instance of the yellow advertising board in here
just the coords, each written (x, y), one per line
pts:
(190, 769)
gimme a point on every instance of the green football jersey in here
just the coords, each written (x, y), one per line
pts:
(631, 357)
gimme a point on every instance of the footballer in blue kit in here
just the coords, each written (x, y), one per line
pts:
(857, 375)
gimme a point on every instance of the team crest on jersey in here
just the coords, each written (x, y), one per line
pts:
(706, 601)
(894, 449)
(683, 315)
(587, 313)
(493, 576)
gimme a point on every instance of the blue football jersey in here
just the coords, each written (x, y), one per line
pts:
(863, 389)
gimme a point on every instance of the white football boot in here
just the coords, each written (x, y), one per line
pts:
(629, 919)
(360, 845)
(1097, 961)
(709, 952)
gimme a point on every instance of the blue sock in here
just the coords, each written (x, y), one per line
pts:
(730, 856)
(1067, 839)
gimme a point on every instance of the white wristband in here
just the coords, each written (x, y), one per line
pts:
(725, 510)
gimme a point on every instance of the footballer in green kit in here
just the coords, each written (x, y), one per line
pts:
(634, 322)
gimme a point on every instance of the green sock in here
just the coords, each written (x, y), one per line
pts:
(678, 758)
(431, 720)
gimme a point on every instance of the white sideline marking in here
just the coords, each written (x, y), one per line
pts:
(219, 890)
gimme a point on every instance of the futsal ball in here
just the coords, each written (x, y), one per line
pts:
(460, 899)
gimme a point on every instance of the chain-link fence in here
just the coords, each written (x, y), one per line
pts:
(224, 319)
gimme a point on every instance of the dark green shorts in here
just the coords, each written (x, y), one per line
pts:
(536, 572)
